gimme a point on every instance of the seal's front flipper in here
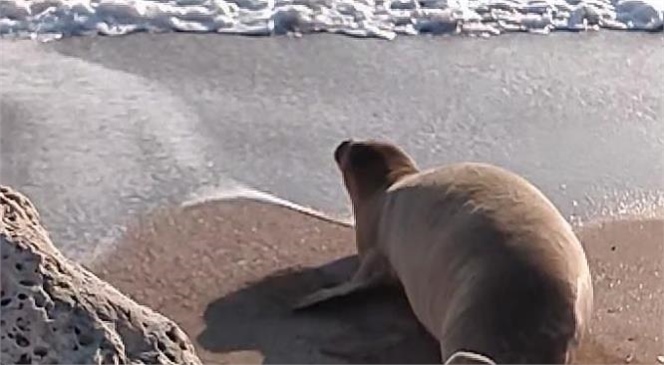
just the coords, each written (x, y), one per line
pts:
(326, 294)
(372, 272)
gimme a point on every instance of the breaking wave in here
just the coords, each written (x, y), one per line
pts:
(49, 19)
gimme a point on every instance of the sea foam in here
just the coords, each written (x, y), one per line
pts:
(52, 19)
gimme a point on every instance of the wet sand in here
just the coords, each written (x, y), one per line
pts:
(227, 272)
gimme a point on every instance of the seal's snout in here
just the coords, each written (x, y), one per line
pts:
(341, 150)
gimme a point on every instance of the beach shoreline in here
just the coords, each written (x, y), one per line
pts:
(134, 143)
(576, 114)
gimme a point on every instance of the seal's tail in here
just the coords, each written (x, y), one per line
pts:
(468, 357)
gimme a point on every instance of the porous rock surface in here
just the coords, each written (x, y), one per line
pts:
(54, 311)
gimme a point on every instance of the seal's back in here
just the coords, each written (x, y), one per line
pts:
(488, 263)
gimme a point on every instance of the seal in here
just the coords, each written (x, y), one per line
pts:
(490, 267)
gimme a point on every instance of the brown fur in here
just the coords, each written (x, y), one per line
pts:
(489, 265)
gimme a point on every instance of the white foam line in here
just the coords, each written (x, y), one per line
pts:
(237, 191)
(54, 19)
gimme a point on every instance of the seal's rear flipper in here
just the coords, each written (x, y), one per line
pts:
(468, 357)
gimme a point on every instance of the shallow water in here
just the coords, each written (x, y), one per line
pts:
(97, 133)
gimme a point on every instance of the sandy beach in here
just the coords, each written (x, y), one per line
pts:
(227, 272)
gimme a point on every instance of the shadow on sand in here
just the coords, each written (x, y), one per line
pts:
(376, 326)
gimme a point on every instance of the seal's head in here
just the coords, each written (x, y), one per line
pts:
(369, 167)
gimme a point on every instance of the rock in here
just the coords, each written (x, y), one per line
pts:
(52, 310)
